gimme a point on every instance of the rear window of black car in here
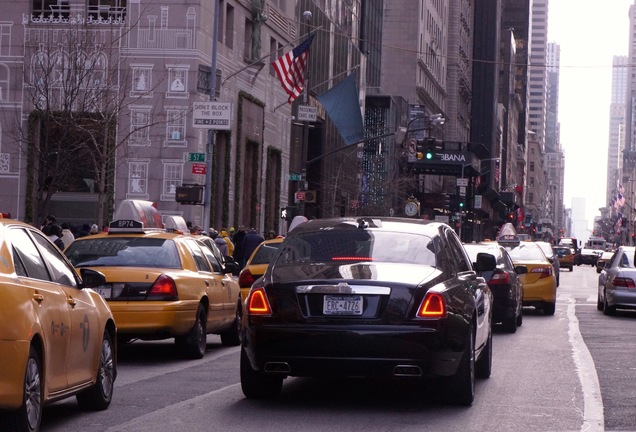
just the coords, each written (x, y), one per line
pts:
(357, 245)
(124, 252)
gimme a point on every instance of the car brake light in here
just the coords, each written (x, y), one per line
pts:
(623, 282)
(257, 303)
(433, 306)
(164, 288)
(246, 278)
(545, 271)
(499, 278)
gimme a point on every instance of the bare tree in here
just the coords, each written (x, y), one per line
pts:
(76, 91)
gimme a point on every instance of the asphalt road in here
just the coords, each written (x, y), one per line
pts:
(573, 371)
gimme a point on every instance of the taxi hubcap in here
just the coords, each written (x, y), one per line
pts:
(106, 368)
(32, 393)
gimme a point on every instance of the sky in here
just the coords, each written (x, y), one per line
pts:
(590, 33)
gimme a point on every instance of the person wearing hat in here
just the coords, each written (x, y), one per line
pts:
(226, 236)
(94, 229)
(232, 231)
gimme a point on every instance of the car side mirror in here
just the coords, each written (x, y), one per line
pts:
(521, 270)
(231, 266)
(485, 262)
(92, 278)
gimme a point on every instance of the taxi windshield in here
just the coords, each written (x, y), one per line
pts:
(124, 252)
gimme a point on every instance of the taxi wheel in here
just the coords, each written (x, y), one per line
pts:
(549, 308)
(461, 386)
(195, 343)
(29, 416)
(98, 397)
(256, 384)
(232, 336)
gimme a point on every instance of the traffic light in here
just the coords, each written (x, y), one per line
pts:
(427, 149)
(457, 203)
(288, 213)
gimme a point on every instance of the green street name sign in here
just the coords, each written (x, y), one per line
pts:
(196, 157)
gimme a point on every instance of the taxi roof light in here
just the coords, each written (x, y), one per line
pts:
(433, 306)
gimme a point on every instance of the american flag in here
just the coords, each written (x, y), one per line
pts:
(291, 67)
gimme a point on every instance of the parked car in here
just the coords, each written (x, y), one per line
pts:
(257, 264)
(368, 297)
(565, 255)
(504, 282)
(602, 260)
(617, 287)
(552, 257)
(161, 284)
(57, 336)
(539, 283)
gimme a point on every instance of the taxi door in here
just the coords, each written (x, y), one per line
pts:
(84, 334)
(49, 310)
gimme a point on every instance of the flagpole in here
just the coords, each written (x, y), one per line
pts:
(302, 186)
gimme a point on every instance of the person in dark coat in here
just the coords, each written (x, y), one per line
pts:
(250, 242)
(238, 254)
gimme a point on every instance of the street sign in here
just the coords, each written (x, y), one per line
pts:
(293, 177)
(211, 115)
(300, 196)
(198, 168)
(462, 182)
(196, 157)
(462, 190)
(307, 113)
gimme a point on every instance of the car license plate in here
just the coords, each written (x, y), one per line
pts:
(342, 305)
(103, 290)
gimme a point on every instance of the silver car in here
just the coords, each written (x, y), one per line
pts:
(617, 286)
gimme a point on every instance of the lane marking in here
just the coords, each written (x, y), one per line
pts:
(593, 417)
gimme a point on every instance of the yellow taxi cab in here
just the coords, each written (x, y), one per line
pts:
(161, 283)
(566, 257)
(57, 336)
(539, 283)
(257, 264)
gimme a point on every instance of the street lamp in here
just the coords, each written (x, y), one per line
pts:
(302, 186)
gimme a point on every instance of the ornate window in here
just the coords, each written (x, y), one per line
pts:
(141, 80)
(138, 179)
(176, 127)
(140, 126)
(177, 82)
(172, 177)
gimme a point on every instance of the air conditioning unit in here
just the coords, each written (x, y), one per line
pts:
(310, 196)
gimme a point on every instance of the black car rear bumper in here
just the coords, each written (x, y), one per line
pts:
(308, 350)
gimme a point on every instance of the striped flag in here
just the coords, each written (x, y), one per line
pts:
(291, 67)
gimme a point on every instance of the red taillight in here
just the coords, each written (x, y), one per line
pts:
(257, 303)
(545, 271)
(623, 282)
(433, 306)
(499, 278)
(246, 279)
(164, 288)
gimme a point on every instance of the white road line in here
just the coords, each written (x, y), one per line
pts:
(593, 417)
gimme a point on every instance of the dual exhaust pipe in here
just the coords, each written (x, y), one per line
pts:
(398, 371)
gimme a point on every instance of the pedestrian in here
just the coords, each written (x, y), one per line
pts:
(232, 232)
(226, 236)
(48, 220)
(94, 229)
(67, 236)
(251, 241)
(219, 241)
(54, 232)
(238, 254)
(271, 234)
(195, 230)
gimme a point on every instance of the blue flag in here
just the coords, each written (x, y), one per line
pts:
(343, 108)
